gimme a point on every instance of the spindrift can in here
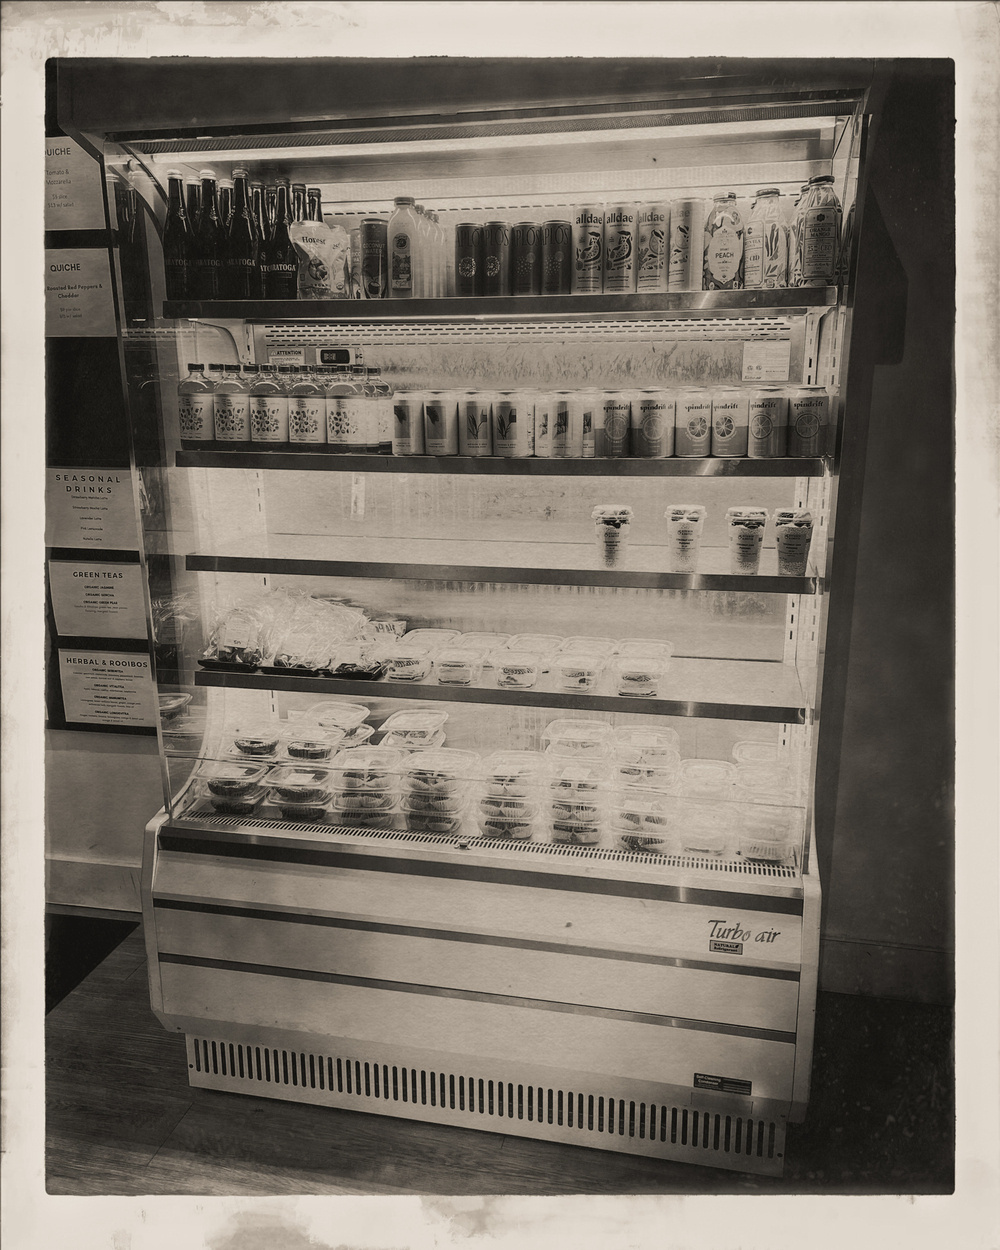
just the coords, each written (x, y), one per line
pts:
(693, 436)
(768, 423)
(617, 410)
(808, 419)
(653, 415)
(619, 249)
(588, 250)
(729, 421)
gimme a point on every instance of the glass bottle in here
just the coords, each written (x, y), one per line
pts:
(280, 264)
(341, 394)
(178, 241)
(766, 257)
(194, 407)
(208, 241)
(257, 208)
(723, 269)
(268, 407)
(298, 201)
(818, 223)
(314, 204)
(231, 403)
(242, 259)
(306, 408)
(225, 202)
(402, 235)
(383, 396)
(192, 199)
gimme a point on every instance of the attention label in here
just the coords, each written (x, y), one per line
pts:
(723, 1084)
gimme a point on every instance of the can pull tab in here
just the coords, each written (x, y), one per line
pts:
(358, 496)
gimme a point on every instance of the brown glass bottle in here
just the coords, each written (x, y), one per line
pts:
(209, 241)
(178, 241)
(314, 204)
(242, 258)
(280, 260)
(298, 201)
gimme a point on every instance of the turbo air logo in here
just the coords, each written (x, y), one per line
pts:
(728, 938)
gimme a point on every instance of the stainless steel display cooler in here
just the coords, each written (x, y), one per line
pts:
(657, 1004)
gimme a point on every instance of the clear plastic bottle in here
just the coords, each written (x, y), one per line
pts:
(268, 407)
(339, 392)
(195, 407)
(403, 233)
(231, 404)
(766, 259)
(795, 240)
(723, 245)
(818, 224)
(306, 408)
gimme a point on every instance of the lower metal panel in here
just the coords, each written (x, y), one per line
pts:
(662, 1121)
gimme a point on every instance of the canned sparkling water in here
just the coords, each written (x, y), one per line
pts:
(408, 424)
(544, 418)
(694, 422)
(730, 419)
(441, 423)
(512, 432)
(651, 247)
(767, 415)
(495, 258)
(525, 259)
(617, 408)
(474, 437)
(653, 416)
(567, 431)
(589, 402)
(808, 418)
(557, 255)
(619, 249)
(687, 241)
(468, 258)
(374, 258)
(588, 249)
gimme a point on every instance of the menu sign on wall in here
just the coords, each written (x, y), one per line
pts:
(107, 688)
(97, 600)
(73, 195)
(90, 508)
(79, 302)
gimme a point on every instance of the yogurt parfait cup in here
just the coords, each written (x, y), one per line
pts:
(612, 523)
(793, 528)
(746, 528)
(685, 525)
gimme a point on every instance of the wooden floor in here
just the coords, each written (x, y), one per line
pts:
(122, 1119)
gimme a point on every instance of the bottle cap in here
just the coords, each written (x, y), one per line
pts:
(206, 173)
(769, 191)
(404, 199)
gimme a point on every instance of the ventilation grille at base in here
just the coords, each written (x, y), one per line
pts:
(704, 1133)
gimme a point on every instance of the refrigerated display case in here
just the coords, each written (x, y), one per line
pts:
(610, 938)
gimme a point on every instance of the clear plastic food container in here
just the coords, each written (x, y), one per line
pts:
(408, 661)
(638, 676)
(365, 800)
(517, 670)
(579, 776)
(419, 803)
(514, 773)
(257, 741)
(487, 643)
(763, 783)
(770, 834)
(313, 811)
(236, 804)
(645, 646)
(336, 714)
(577, 670)
(426, 823)
(400, 742)
(576, 832)
(358, 736)
(304, 743)
(230, 779)
(704, 828)
(586, 738)
(367, 768)
(661, 776)
(456, 665)
(432, 639)
(643, 823)
(300, 784)
(443, 773)
(707, 778)
(519, 807)
(634, 743)
(541, 644)
(590, 645)
(415, 725)
(756, 752)
(172, 705)
(363, 819)
(516, 828)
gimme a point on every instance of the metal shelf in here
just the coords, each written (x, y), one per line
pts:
(748, 690)
(457, 561)
(604, 307)
(224, 456)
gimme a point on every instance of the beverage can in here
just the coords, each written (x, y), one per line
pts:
(589, 402)
(544, 417)
(525, 259)
(357, 282)
(408, 424)
(567, 430)
(693, 435)
(652, 424)
(730, 420)
(474, 436)
(557, 251)
(652, 235)
(496, 258)
(468, 258)
(687, 232)
(374, 258)
(619, 249)
(614, 432)
(512, 435)
(441, 423)
(808, 419)
(588, 250)
(767, 423)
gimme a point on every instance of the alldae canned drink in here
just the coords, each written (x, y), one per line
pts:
(512, 432)
(544, 417)
(729, 421)
(653, 415)
(525, 259)
(567, 432)
(557, 254)
(408, 424)
(441, 423)
(693, 435)
(619, 249)
(495, 259)
(808, 418)
(617, 409)
(588, 250)
(474, 435)
(374, 258)
(687, 241)
(767, 416)
(652, 238)
(468, 258)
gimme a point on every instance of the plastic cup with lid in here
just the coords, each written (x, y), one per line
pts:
(746, 536)
(685, 524)
(611, 530)
(793, 528)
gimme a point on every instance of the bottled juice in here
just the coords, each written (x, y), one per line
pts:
(269, 406)
(403, 242)
(195, 407)
(723, 245)
(818, 223)
(306, 408)
(766, 263)
(231, 405)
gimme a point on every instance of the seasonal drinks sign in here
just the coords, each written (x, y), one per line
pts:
(90, 508)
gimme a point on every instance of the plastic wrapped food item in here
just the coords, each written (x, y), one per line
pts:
(235, 641)
(313, 811)
(226, 778)
(307, 649)
(432, 639)
(236, 804)
(514, 773)
(336, 714)
(583, 738)
(367, 768)
(422, 822)
(516, 828)
(577, 670)
(457, 665)
(422, 804)
(256, 740)
(517, 670)
(324, 260)
(304, 742)
(300, 783)
(638, 676)
(365, 800)
(635, 743)
(171, 705)
(408, 661)
(415, 725)
(707, 778)
(443, 773)
(756, 752)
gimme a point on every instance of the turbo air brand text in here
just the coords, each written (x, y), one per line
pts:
(89, 484)
(727, 937)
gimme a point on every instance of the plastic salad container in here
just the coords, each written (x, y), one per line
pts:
(638, 676)
(300, 783)
(415, 725)
(584, 738)
(257, 740)
(517, 670)
(408, 661)
(458, 665)
(336, 714)
(577, 670)
(230, 779)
